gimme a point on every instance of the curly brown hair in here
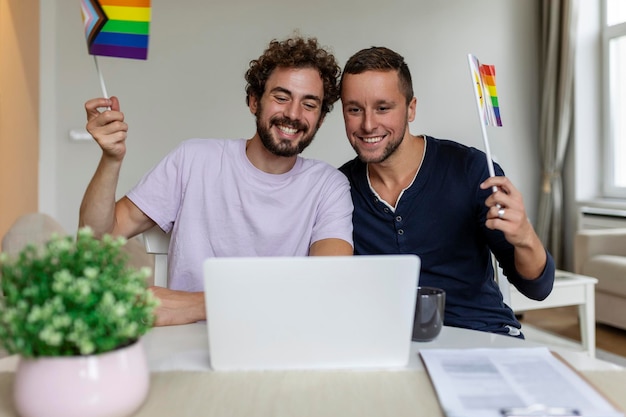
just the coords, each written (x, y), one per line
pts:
(295, 52)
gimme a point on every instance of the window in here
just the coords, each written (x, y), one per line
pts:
(614, 85)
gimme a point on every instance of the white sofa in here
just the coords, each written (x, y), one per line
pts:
(601, 254)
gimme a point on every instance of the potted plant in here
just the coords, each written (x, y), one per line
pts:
(75, 313)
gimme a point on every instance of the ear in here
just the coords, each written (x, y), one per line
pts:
(321, 120)
(411, 109)
(253, 103)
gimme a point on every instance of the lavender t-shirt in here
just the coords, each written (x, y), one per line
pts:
(216, 203)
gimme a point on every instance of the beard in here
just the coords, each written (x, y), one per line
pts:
(283, 147)
(387, 152)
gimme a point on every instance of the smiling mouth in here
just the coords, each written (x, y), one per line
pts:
(287, 129)
(374, 139)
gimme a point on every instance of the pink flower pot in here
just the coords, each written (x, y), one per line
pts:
(112, 384)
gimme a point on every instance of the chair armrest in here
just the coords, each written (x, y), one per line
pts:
(157, 243)
(156, 240)
(592, 242)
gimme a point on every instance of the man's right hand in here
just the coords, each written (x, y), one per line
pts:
(98, 209)
(107, 127)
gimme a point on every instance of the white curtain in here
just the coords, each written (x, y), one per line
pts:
(558, 37)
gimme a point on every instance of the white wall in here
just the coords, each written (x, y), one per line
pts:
(192, 83)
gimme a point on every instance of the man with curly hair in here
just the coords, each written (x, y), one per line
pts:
(221, 197)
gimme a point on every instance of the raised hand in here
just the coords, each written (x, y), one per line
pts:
(107, 126)
(507, 212)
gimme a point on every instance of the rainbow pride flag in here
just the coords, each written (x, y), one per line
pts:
(485, 89)
(117, 28)
(488, 75)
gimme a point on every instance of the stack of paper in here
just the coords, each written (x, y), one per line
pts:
(511, 382)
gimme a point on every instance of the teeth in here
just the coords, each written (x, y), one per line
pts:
(288, 130)
(373, 140)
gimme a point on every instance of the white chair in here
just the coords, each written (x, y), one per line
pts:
(157, 242)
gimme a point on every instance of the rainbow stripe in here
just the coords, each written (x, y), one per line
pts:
(492, 108)
(117, 28)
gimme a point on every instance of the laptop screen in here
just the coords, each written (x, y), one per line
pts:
(310, 312)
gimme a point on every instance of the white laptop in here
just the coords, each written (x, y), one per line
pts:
(335, 312)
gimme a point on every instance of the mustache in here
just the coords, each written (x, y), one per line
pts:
(294, 124)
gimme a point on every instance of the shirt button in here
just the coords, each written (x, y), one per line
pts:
(400, 232)
(386, 210)
(399, 218)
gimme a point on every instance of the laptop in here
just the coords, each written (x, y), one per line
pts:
(318, 312)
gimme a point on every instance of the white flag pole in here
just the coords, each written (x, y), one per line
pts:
(478, 89)
(102, 85)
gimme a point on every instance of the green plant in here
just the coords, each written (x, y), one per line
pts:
(73, 297)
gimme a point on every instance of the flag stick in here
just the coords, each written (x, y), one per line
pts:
(102, 86)
(101, 78)
(481, 118)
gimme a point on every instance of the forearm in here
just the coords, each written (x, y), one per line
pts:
(530, 258)
(178, 307)
(97, 209)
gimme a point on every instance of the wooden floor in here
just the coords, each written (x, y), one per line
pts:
(563, 321)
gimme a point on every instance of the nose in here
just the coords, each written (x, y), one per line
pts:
(293, 110)
(368, 123)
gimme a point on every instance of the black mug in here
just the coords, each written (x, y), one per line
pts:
(429, 311)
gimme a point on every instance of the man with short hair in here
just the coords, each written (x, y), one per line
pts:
(420, 195)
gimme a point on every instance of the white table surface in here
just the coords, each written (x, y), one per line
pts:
(190, 352)
(185, 348)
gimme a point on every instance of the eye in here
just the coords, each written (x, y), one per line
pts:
(310, 105)
(280, 98)
(353, 110)
(383, 109)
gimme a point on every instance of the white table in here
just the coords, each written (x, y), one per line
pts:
(183, 385)
(185, 348)
(569, 289)
(190, 352)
